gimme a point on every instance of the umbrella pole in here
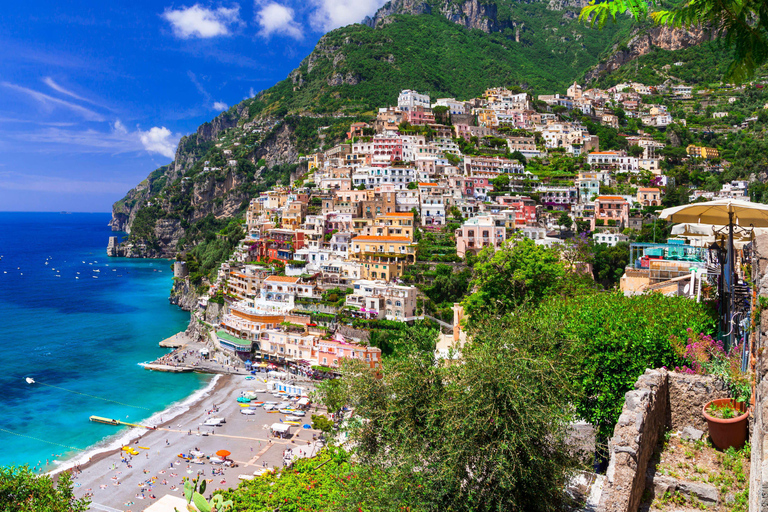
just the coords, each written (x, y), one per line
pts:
(731, 277)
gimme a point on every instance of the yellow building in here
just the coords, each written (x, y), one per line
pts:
(702, 152)
(487, 117)
(382, 257)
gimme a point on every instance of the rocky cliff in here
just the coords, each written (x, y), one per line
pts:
(470, 14)
(643, 41)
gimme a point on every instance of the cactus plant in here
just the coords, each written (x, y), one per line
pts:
(193, 492)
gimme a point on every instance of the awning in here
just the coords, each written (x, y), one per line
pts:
(280, 428)
(303, 401)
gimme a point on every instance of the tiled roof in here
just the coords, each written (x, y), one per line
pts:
(610, 198)
(282, 279)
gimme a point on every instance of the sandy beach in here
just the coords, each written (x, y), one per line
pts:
(136, 483)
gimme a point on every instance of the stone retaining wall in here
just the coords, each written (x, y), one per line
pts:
(642, 421)
(661, 400)
(758, 478)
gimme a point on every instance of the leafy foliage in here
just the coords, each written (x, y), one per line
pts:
(487, 434)
(740, 23)
(21, 490)
(609, 263)
(619, 337)
(512, 275)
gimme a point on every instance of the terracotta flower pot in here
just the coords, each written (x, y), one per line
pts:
(728, 432)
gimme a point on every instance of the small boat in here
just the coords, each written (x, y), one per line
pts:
(96, 270)
(243, 399)
(95, 277)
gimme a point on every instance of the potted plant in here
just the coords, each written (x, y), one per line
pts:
(727, 421)
(727, 418)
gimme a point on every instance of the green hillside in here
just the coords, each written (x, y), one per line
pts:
(434, 55)
(702, 64)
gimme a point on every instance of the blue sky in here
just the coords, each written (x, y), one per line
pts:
(95, 95)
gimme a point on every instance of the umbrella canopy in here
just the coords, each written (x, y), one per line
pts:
(223, 453)
(723, 212)
(745, 213)
(704, 234)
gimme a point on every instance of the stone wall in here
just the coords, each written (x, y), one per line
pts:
(687, 396)
(758, 478)
(661, 400)
(642, 421)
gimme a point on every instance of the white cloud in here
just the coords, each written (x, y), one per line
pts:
(119, 128)
(56, 87)
(196, 21)
(49, 102)
(220, 105)
(198, 85)
(331, 14)
(159, 140)
(277, 19)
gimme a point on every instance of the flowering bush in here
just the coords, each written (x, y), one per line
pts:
(706, 356)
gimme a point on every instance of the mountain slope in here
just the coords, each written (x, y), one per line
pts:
(360, 68)
(458, 50)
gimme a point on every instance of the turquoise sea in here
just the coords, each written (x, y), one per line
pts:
(80, 337)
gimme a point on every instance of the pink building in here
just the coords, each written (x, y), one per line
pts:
(612, 210)
(479, 232)
(388, 148)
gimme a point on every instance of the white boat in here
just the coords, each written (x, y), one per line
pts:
(212, 422)
(96, 270)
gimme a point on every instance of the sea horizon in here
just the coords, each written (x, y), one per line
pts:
(79, 324)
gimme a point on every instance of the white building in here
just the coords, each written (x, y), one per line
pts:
(382, 300)
(610, 239)
(409, 100)
(372, 177)
(454, 107)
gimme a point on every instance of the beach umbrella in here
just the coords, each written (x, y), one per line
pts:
(706, 234)
(722, 212)
(223, 453)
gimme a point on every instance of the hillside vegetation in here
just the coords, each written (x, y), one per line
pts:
(358, 68)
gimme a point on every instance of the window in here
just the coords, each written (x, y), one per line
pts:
(325, 360)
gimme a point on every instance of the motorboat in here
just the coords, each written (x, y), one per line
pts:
(248, 411)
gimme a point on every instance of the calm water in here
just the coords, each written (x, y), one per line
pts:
(85, 335)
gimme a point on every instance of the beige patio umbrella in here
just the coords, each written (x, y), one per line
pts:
(705, 234)
(723, 212)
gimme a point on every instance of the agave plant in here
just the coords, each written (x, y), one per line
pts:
(193, 491)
